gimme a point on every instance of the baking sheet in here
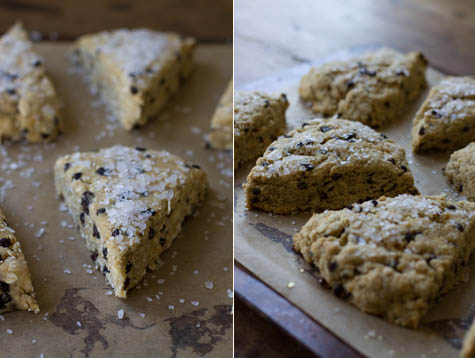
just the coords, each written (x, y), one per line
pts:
(263, 244)
(181, 310)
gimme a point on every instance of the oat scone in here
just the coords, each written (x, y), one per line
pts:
(136, 71)
(373, 89)
(446, 119)
(16, 290)
(29, 108)
(259, 119)
(392, 257)
(468, 349)
(460, 171)
(221, 136)
(129, 204)
(327, 164)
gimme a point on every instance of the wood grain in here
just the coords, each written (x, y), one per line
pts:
(207, 20)
(273, 35)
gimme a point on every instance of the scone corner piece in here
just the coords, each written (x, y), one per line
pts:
(221, 134)
(374, 88)
(468, 349)
(16, 289)
(129, 205)
(137, 71)
(446, 119)
(460, 171)
(29, 107)
(392, 257)
(327, 164)
(259, 118)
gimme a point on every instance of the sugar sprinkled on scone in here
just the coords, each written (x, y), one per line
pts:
(136, 71)
(327, 164)
(16, 290)
(374, 89)
(392, 257)
(259, 119)
(29, 108)
(446, 119)
(129, 204)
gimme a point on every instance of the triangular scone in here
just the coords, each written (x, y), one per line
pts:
(327, 164)
(446, 119)
(392, 257)
(468, 349)
(136, 71)
(16, 290)
(221, 136)
(129, 204)
(259, 118)
(460, 171)
(28, 103)
(374, 89)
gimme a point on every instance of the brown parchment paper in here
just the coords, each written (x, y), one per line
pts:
(263, 244)
(78, 318)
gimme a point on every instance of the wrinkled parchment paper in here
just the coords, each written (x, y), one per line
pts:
(263, 244)
(182, 309)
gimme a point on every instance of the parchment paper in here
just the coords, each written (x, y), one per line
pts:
(263, 244)
(78, 319)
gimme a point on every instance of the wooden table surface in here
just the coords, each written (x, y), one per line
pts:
(273, 35)
(207, 20)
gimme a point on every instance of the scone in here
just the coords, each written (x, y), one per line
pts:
(136, 71)
(446, 119)
(29, 108)
(16, 290)
(327, 164)
(259, 119)
(374, 89)
(129, 205)
(392, 257)
(460, 171)
(468, 349)
(221, 136)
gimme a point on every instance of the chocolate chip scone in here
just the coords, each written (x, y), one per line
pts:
(392, 257)
(136, 71)
(446, 119)
(468, 349)
(259, 119)
(460, 171)
(29, 108)
(129, 205)
(327, 164)
(16, 290)
(221, 136)
(374, 89)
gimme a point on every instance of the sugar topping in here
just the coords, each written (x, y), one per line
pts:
(17, 60)
(453, 99)
(377, 223)
(322, 141)
(135, 50)
(131, 183)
